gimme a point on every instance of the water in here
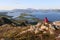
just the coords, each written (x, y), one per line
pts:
(51, 15)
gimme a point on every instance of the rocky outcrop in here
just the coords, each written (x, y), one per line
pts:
(56, 23)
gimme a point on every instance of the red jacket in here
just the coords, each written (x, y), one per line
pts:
(45, 19)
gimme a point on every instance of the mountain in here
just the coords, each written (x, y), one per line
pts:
(52, 14)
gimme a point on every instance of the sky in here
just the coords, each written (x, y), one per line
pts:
(35, 4)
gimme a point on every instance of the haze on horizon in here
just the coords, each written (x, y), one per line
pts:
(35, 4)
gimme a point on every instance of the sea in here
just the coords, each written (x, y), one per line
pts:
(51, 15)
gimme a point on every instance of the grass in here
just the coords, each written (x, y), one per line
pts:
(9, 32)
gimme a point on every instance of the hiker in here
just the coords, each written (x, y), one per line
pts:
(46, 21)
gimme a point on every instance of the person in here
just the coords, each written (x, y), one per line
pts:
(46, 20)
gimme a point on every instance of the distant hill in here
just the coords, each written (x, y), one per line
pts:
(52, 14)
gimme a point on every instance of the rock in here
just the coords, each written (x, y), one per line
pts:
(56, 23)
(2, 39)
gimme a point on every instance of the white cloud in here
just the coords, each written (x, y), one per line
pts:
(24, 7)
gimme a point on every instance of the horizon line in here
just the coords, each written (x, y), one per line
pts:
(34, 8)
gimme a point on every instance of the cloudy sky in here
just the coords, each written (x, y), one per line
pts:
(35, 4)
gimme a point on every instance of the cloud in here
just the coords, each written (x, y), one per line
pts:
(24, 7)
(12, 7)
